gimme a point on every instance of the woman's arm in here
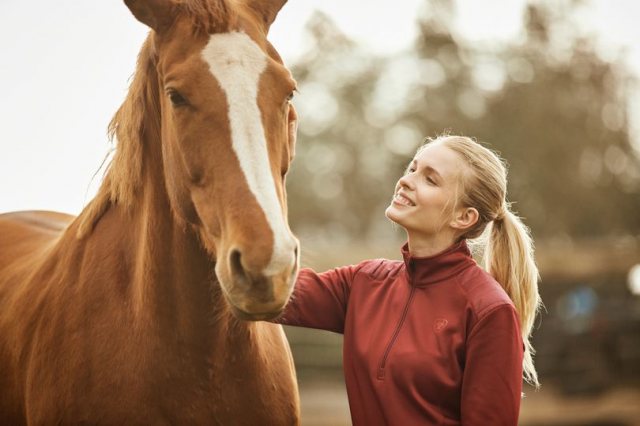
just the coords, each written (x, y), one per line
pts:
(492, 380)
(320, 300)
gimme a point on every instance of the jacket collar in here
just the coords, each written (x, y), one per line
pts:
(432, 269)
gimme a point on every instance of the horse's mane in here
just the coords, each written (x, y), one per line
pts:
(139, 115)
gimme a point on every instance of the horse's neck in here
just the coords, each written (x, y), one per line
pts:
(171, 281)
(173, 276)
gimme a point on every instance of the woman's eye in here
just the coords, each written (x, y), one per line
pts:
(177, 99)
(431, 181)
(290, 97)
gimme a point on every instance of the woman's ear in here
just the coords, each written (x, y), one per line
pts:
(464, 218)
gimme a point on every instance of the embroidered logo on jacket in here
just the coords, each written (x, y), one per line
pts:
(439, 324)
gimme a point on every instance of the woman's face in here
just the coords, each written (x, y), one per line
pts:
(424, 197)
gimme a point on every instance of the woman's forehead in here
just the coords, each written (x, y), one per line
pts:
(442, 159)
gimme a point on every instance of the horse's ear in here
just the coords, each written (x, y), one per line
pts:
(267, 10)
(156, 14)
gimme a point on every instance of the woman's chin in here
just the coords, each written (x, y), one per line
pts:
(392, 214)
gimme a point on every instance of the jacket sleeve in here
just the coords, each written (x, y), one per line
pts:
(319, 300)
(492, 379)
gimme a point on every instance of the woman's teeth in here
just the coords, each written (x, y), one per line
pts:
(401, 199)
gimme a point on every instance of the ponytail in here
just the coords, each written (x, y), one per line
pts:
(508, 248)
(508, 257)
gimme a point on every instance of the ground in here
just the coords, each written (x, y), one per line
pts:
(324, 403)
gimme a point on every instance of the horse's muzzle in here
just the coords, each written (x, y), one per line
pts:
(254, 295)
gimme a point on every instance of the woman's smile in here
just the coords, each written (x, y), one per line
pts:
(402, 200)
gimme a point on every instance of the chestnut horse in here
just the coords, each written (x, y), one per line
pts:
(134, 312)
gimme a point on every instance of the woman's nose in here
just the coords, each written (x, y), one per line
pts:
(405, 181)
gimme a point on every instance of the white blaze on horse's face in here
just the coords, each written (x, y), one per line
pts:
(237, 63)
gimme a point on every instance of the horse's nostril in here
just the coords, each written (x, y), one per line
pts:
(235, 262)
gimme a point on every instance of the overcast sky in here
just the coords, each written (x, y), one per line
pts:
(65, 65)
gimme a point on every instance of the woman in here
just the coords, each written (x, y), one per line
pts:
(435, 339)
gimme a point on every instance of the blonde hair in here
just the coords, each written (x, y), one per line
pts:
(508, 253)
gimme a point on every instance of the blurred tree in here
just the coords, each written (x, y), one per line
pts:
(553, 108)
(338, 173)
(562, 120)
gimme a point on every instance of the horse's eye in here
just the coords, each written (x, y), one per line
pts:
(177, 99)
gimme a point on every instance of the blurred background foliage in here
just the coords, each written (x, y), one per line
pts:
(556, 110)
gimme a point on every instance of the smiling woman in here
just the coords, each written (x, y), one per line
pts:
(435, 338)
(129, 312)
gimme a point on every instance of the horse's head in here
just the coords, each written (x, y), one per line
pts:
(228, 135)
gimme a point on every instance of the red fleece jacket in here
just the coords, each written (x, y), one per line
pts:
(427, 341)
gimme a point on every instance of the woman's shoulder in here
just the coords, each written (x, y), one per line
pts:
(381, 268)
(482, 291)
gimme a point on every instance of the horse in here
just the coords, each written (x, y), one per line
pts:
(147, 307)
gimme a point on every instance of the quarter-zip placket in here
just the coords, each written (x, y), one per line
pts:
(395, 334)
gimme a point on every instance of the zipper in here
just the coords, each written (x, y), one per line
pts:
(395, 335)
